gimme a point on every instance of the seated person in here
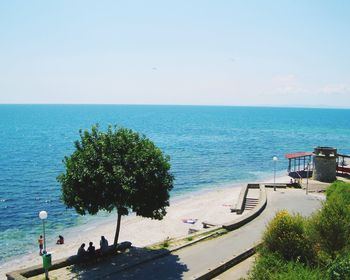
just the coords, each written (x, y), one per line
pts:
(91, 250)
(60, 240)
(81, 251)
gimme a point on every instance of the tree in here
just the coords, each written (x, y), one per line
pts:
(117, 169)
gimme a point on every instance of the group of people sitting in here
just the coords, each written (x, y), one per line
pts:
(90, 253)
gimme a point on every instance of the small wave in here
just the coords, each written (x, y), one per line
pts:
(6, 200)
(204, 182)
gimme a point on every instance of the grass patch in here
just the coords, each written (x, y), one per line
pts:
(173, 243)
(165, 243)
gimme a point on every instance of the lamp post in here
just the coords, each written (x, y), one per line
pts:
(274, 159)
(43, 217)
(307, 176)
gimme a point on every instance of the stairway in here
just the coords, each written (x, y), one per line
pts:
(252, 199)
(250, 203)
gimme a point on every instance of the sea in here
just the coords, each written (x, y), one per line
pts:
(210, 147)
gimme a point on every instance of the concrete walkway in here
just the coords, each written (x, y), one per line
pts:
(237, 272)
(194, 261)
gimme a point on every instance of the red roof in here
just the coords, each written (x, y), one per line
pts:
(298, 155)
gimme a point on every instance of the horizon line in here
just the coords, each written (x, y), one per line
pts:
(184, 105)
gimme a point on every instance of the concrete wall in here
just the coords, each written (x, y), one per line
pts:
(325, 164)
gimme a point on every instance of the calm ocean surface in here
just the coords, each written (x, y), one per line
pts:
(209, 147)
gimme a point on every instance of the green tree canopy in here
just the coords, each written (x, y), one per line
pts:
(117, 169)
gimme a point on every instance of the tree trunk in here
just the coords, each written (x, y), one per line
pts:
(117, 229)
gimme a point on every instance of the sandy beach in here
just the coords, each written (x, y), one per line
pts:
(211, 205)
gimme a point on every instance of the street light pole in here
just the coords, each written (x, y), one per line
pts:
(275, 159)
(44, 236)
(307, 177)
(43, 217)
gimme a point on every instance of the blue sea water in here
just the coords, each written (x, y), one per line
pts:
(209, 147)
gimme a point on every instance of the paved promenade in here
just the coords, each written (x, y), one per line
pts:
(194, 261)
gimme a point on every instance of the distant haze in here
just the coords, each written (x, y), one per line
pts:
(258, 53)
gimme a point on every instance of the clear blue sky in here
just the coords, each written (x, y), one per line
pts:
(294, 53)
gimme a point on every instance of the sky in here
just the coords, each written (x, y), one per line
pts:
(240, 53)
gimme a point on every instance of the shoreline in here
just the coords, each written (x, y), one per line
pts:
(211, 204)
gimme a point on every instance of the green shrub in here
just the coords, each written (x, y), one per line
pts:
(298, 271)
(291, 243)
(340, 268)
(286, 236)
(266, 265)
(269, 266)
(166, 243)
(332, 225)
(339, 188)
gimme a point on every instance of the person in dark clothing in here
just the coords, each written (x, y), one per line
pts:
(91, 251)
(81, 252)
(103, 245)
(60, 240)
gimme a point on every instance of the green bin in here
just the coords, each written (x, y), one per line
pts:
(47, 261)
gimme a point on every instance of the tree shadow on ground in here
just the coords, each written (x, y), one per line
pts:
(135, 263)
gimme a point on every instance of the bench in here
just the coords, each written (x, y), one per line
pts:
(208, 224)
(192, 230)
(122, 247)
(277, 185)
